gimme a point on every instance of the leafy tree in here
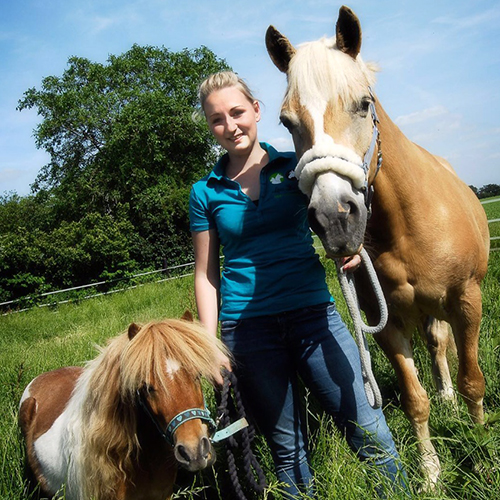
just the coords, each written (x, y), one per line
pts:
(489, 190)
(124, 151)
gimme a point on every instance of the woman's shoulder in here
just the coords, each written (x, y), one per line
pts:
(275, 154)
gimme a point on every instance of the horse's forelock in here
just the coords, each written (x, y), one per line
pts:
(319, 69)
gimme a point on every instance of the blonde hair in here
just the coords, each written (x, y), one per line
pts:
(222, 80)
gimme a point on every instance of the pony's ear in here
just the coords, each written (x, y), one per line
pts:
(133, 330)
(279, 48)
(188, 315)
(348, 32)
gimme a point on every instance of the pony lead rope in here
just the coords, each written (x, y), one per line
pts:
(361, 328)
(253, 471)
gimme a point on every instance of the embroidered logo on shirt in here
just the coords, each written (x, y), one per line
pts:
(276, 178)
(291, 174)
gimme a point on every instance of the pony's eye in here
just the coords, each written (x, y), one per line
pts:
(148, 389)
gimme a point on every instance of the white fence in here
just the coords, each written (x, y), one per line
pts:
(13, 303)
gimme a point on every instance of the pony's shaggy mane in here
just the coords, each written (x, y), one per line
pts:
(319, 68)
(109, 412)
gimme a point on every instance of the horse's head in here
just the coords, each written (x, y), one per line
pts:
(163, 366)
(329, 110)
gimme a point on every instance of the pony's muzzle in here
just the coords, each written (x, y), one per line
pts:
(197, 457)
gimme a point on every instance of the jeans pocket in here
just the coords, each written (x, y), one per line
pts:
(228, 326)
(324, 307)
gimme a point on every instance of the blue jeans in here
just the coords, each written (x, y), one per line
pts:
(270, 353)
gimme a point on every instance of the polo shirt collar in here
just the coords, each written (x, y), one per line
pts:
(218, 171)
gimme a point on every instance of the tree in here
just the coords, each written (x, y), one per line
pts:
(488, 191)
(121, 136)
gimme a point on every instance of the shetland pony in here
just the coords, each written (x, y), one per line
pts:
(427, 234)
(111, 430)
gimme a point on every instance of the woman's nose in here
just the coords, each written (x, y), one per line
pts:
(231, 124)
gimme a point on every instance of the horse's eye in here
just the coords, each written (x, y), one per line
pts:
(286, 122)
(363, 106)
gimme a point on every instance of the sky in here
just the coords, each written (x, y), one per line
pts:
(439, 62)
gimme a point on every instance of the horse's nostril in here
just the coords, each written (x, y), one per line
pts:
(353, 208)
(314, 224)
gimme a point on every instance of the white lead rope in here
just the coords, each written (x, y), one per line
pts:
(361, 328)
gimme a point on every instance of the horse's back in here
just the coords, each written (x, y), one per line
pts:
(442, 210)
(45, 398)
(465, 217)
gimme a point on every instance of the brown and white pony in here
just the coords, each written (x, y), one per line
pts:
(97, 432)
(427, 235)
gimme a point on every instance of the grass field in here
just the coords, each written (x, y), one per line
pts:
(42, 339)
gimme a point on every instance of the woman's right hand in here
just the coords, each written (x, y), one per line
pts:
(222, 363)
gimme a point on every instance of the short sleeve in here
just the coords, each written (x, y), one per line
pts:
(200, 218)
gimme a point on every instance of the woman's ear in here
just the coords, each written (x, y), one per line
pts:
(256, 107)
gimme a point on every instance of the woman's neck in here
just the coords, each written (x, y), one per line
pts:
(240, 164)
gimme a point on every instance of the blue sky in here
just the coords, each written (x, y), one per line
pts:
(439, 61)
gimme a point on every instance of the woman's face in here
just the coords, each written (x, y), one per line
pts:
(232, 119)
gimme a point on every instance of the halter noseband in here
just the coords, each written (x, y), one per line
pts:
(178, 420)
(331, 157)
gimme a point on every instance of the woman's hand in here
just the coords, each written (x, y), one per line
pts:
(223, 363)
(349, 264)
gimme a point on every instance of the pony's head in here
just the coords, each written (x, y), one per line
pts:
(142, 381)
(328, 110)
(162, 366)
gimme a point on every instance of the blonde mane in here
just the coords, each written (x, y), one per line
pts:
(346, 77)
(108, 413)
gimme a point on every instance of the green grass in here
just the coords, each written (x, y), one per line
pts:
(42, 339)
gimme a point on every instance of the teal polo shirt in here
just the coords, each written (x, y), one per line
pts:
(270, 265)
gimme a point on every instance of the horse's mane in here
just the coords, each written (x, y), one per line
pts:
(109, 441)
(319, 69)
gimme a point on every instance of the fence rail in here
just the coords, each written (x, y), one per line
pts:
(22, 300)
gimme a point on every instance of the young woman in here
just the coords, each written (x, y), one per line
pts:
(277, 315)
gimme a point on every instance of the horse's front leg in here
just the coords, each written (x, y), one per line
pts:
(396, 343)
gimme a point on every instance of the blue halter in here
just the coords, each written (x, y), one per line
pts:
(178, 420)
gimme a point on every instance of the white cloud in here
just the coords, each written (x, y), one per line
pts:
(421, 116)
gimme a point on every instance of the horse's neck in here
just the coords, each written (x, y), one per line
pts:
(400, 176)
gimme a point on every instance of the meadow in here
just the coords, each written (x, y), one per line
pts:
(38, 340)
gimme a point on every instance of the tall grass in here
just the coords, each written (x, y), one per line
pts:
(39, 340)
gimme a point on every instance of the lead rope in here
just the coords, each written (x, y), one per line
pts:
(361, 328)
(253, 472)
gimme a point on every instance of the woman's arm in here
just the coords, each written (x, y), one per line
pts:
(207, 285)
(207, 277)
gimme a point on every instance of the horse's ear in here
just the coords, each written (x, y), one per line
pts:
(279, 48)
(133, 330)
(348, 32)
(188, 315)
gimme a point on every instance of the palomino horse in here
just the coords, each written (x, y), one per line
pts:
(97, 432)
(427, 235)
